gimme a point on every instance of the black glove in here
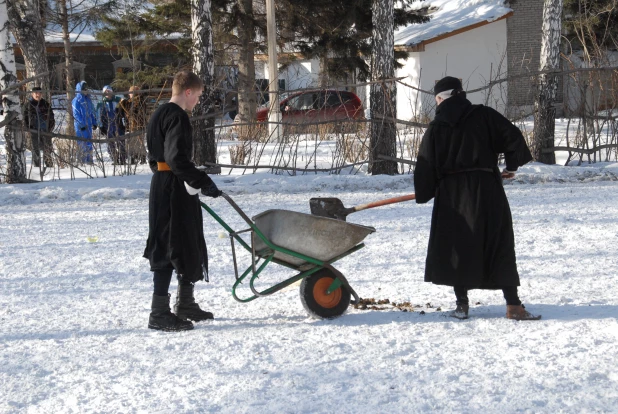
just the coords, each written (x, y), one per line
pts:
(104, 131)
(94, 127)
(212, 191)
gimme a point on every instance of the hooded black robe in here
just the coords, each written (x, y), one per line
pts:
(471, 242)
(176, 234)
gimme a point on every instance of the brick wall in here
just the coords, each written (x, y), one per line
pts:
(523, 48)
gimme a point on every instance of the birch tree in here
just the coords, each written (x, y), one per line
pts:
(204, 149)
(27, 26)
(382, 96)
(545, 111)
(14, 137)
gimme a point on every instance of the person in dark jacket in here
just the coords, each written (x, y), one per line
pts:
(471, 244)
(176, 235)
(110, 124)
(39, 116)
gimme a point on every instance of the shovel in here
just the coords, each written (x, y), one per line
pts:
(333, 207)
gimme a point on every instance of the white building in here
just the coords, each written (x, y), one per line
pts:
(466, 39)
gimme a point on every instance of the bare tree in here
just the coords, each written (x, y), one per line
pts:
(383, 95)
(15, 139)
(247, 104)
(545, 111)
(204, 148)
(63, 16)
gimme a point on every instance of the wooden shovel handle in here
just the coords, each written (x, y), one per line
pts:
(385, 202)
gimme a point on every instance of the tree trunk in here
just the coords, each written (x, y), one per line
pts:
(545, 111)
(27, 27)
(323, 77)
(14, 137)
(383, 100)
(204, 148)
(247, 103)
(68, 62)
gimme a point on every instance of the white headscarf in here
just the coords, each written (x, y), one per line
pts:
(445, 94)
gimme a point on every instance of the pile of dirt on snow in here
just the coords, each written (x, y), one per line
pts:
(387, 305)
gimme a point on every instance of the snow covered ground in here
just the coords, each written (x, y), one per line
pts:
(76, 294)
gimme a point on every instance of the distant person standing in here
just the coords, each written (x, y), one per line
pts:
(85, 121)
(176, 234)
(110, 124)
(133, 112)
(471, 244)
(39, 116)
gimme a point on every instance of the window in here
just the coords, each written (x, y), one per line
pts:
(347, 97)
(78, 73)
(332, 99)
(126, 65)
(303, 102)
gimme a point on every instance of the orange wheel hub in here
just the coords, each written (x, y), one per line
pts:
(321, 297)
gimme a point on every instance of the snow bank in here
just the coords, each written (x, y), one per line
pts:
(137, 186)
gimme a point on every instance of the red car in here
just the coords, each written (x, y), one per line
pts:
(317, 105)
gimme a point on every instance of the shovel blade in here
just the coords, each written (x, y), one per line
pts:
(330, 207)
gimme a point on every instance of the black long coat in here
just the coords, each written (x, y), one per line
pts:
(176, 234)
(471, 242)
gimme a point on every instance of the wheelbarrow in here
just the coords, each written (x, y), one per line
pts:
(305, 243)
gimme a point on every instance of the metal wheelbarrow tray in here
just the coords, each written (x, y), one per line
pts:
(305, 243)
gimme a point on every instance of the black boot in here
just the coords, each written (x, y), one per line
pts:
(185, 306)
(162, 319)
(461, 312)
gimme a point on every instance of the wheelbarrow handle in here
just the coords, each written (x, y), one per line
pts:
(385, 202)
(238, 209)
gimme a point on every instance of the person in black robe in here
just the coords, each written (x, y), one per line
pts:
(176, 235)
(471, 244)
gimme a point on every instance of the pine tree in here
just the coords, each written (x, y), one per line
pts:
(136, 30)
(339, 31)
(233, 29)
(591, 25)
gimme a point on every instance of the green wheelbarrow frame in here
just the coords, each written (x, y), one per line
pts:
(266, 256)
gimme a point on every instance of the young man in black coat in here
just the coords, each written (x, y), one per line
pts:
(176, 235)
(471, 245)
(39, 116)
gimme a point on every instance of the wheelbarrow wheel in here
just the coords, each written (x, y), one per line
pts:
(317, 302)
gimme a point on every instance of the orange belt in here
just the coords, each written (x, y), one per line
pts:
(162, 166)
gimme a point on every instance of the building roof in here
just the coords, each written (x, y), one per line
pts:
(450, 17)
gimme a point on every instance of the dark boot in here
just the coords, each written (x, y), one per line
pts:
(519, 313)
(162, 319)
(185, 306)
(461, 312)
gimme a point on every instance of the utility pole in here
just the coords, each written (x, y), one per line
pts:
(274, 115)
